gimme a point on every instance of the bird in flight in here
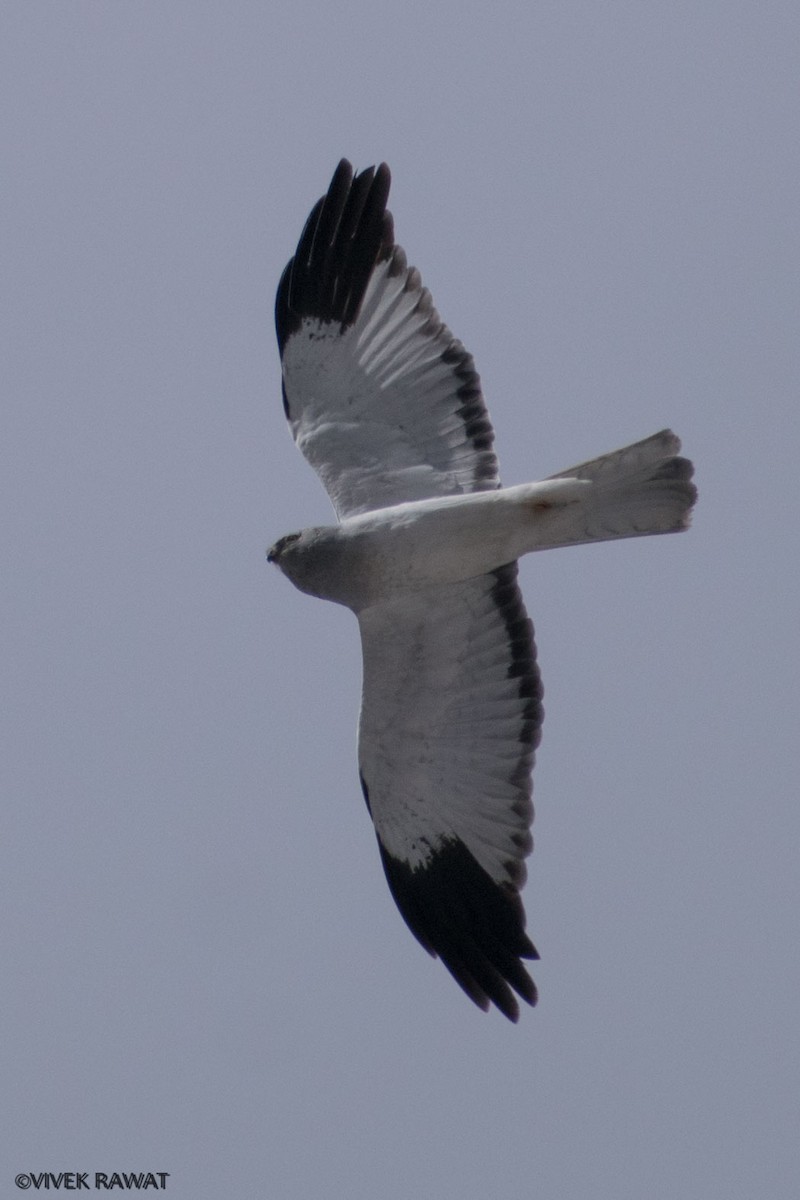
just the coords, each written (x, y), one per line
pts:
(386, 405)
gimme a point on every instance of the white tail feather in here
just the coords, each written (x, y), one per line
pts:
(641, 489)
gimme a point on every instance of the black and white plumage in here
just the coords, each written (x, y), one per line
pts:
(386, 405)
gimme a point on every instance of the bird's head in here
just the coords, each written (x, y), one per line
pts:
(276, 551)
(315, 561)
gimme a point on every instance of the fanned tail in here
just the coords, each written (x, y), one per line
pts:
(642, 489)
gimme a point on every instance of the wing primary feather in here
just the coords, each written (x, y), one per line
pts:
(317, 264)
(347, 231)
(459, 914)
(370, 242)
(336, 241)
(298, 285)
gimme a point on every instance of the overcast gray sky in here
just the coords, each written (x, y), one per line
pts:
(203, 971)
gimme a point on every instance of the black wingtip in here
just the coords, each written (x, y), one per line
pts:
(346, 233)
(477, 927)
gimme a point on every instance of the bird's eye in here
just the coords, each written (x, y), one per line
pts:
(274, 553)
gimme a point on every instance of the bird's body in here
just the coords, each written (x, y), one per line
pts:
(374, 556)
(379, 554)
(386, 405)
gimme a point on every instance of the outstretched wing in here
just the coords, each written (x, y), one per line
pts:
(382, 400)
(451, 715)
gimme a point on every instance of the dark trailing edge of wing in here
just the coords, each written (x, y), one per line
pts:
(453, 906)
(522, 649)
(346, 233)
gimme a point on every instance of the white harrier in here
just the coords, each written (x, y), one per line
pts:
(386, 405)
